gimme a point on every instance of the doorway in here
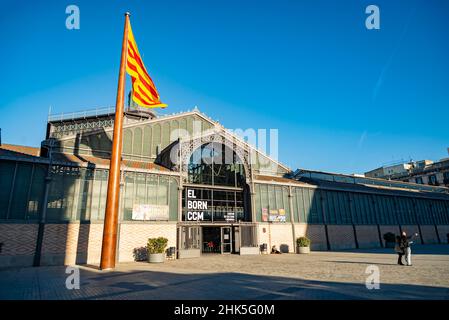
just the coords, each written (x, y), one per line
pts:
(226, 240)
(217, 240)
(211, 240)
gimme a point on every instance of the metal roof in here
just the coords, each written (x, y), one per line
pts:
(363, 184)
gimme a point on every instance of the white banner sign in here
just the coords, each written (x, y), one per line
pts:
(150, 212)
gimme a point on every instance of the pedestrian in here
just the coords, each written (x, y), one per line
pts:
(406, 242)
(275, 250)
(399, 249)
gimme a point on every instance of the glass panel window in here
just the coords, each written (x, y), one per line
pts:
(18, 205)
(216, 164)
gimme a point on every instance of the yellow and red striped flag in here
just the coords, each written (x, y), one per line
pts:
(144, 91)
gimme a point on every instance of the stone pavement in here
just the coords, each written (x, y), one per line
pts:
(319, 275)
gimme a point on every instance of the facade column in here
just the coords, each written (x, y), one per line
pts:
(292, 216)
(353, 220)
(328, 244)
(180, 189)
(252, 190)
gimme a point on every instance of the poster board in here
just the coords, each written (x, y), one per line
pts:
(277, 215)
(264, 214)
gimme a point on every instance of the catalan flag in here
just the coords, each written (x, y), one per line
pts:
(144, 91)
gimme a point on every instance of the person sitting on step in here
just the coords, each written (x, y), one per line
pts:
(275, 250)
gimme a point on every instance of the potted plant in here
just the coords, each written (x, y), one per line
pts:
(303, 244)
(156, 249)
(390, 240)
(140, 254)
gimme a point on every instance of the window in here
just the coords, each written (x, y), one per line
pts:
(433, 180)
(219, 204)
(446, 177)
(216, 164)
(419, 180)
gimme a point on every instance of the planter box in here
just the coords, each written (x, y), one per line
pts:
(190, 253)
(303, 249)
(156, 257)
(249, 250)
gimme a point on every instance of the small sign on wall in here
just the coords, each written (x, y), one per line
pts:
(277, 215)
(264, 214)
(230, 217)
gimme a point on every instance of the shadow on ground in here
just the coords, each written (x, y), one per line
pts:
(49, 283)
(442, 249)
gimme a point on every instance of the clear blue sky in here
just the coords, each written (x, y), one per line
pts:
(344, 98)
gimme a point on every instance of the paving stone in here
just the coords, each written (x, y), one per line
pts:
(319, 275)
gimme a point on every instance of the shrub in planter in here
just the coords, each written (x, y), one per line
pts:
(156, 249)
(140, 254)
(303, 244)
(390, 239)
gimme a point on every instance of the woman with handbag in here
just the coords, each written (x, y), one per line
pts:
(399, 249)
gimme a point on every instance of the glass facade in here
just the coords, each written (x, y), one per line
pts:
(220, 203)
(217, 166)
(271, 201)
(78, 194)
(320, 206)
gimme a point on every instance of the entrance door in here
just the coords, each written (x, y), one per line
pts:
(211, 240)
(226, 240)
(189, 242)
(190, 238)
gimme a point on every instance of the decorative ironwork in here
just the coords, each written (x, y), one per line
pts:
(64, 129)
(187, 147)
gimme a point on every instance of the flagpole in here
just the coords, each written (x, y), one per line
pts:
(109, 244)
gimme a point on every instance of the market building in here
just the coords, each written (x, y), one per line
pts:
(187, 178)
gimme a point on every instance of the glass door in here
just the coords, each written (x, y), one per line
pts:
(226, 240)
(190, 237)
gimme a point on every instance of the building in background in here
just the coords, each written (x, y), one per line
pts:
(176, 183)
(421, 172)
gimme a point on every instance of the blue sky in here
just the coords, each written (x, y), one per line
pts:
(344, 98)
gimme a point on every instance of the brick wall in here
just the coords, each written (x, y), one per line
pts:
(72, 243)
(81, 243)
(388, 228)
(94, 245)
(282, 236)
(19, 243)
(264, 235)
(300, 230)
(317, 235)
(135, 235)
(368, 237)
(443, 231)
(341, 237)
(429, 234)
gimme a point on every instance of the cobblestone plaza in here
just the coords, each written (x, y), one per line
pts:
(319, 275)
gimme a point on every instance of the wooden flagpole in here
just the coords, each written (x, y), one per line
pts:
(109, 244)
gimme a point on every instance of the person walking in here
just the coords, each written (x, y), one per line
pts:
(399, 249)
(406, 242)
